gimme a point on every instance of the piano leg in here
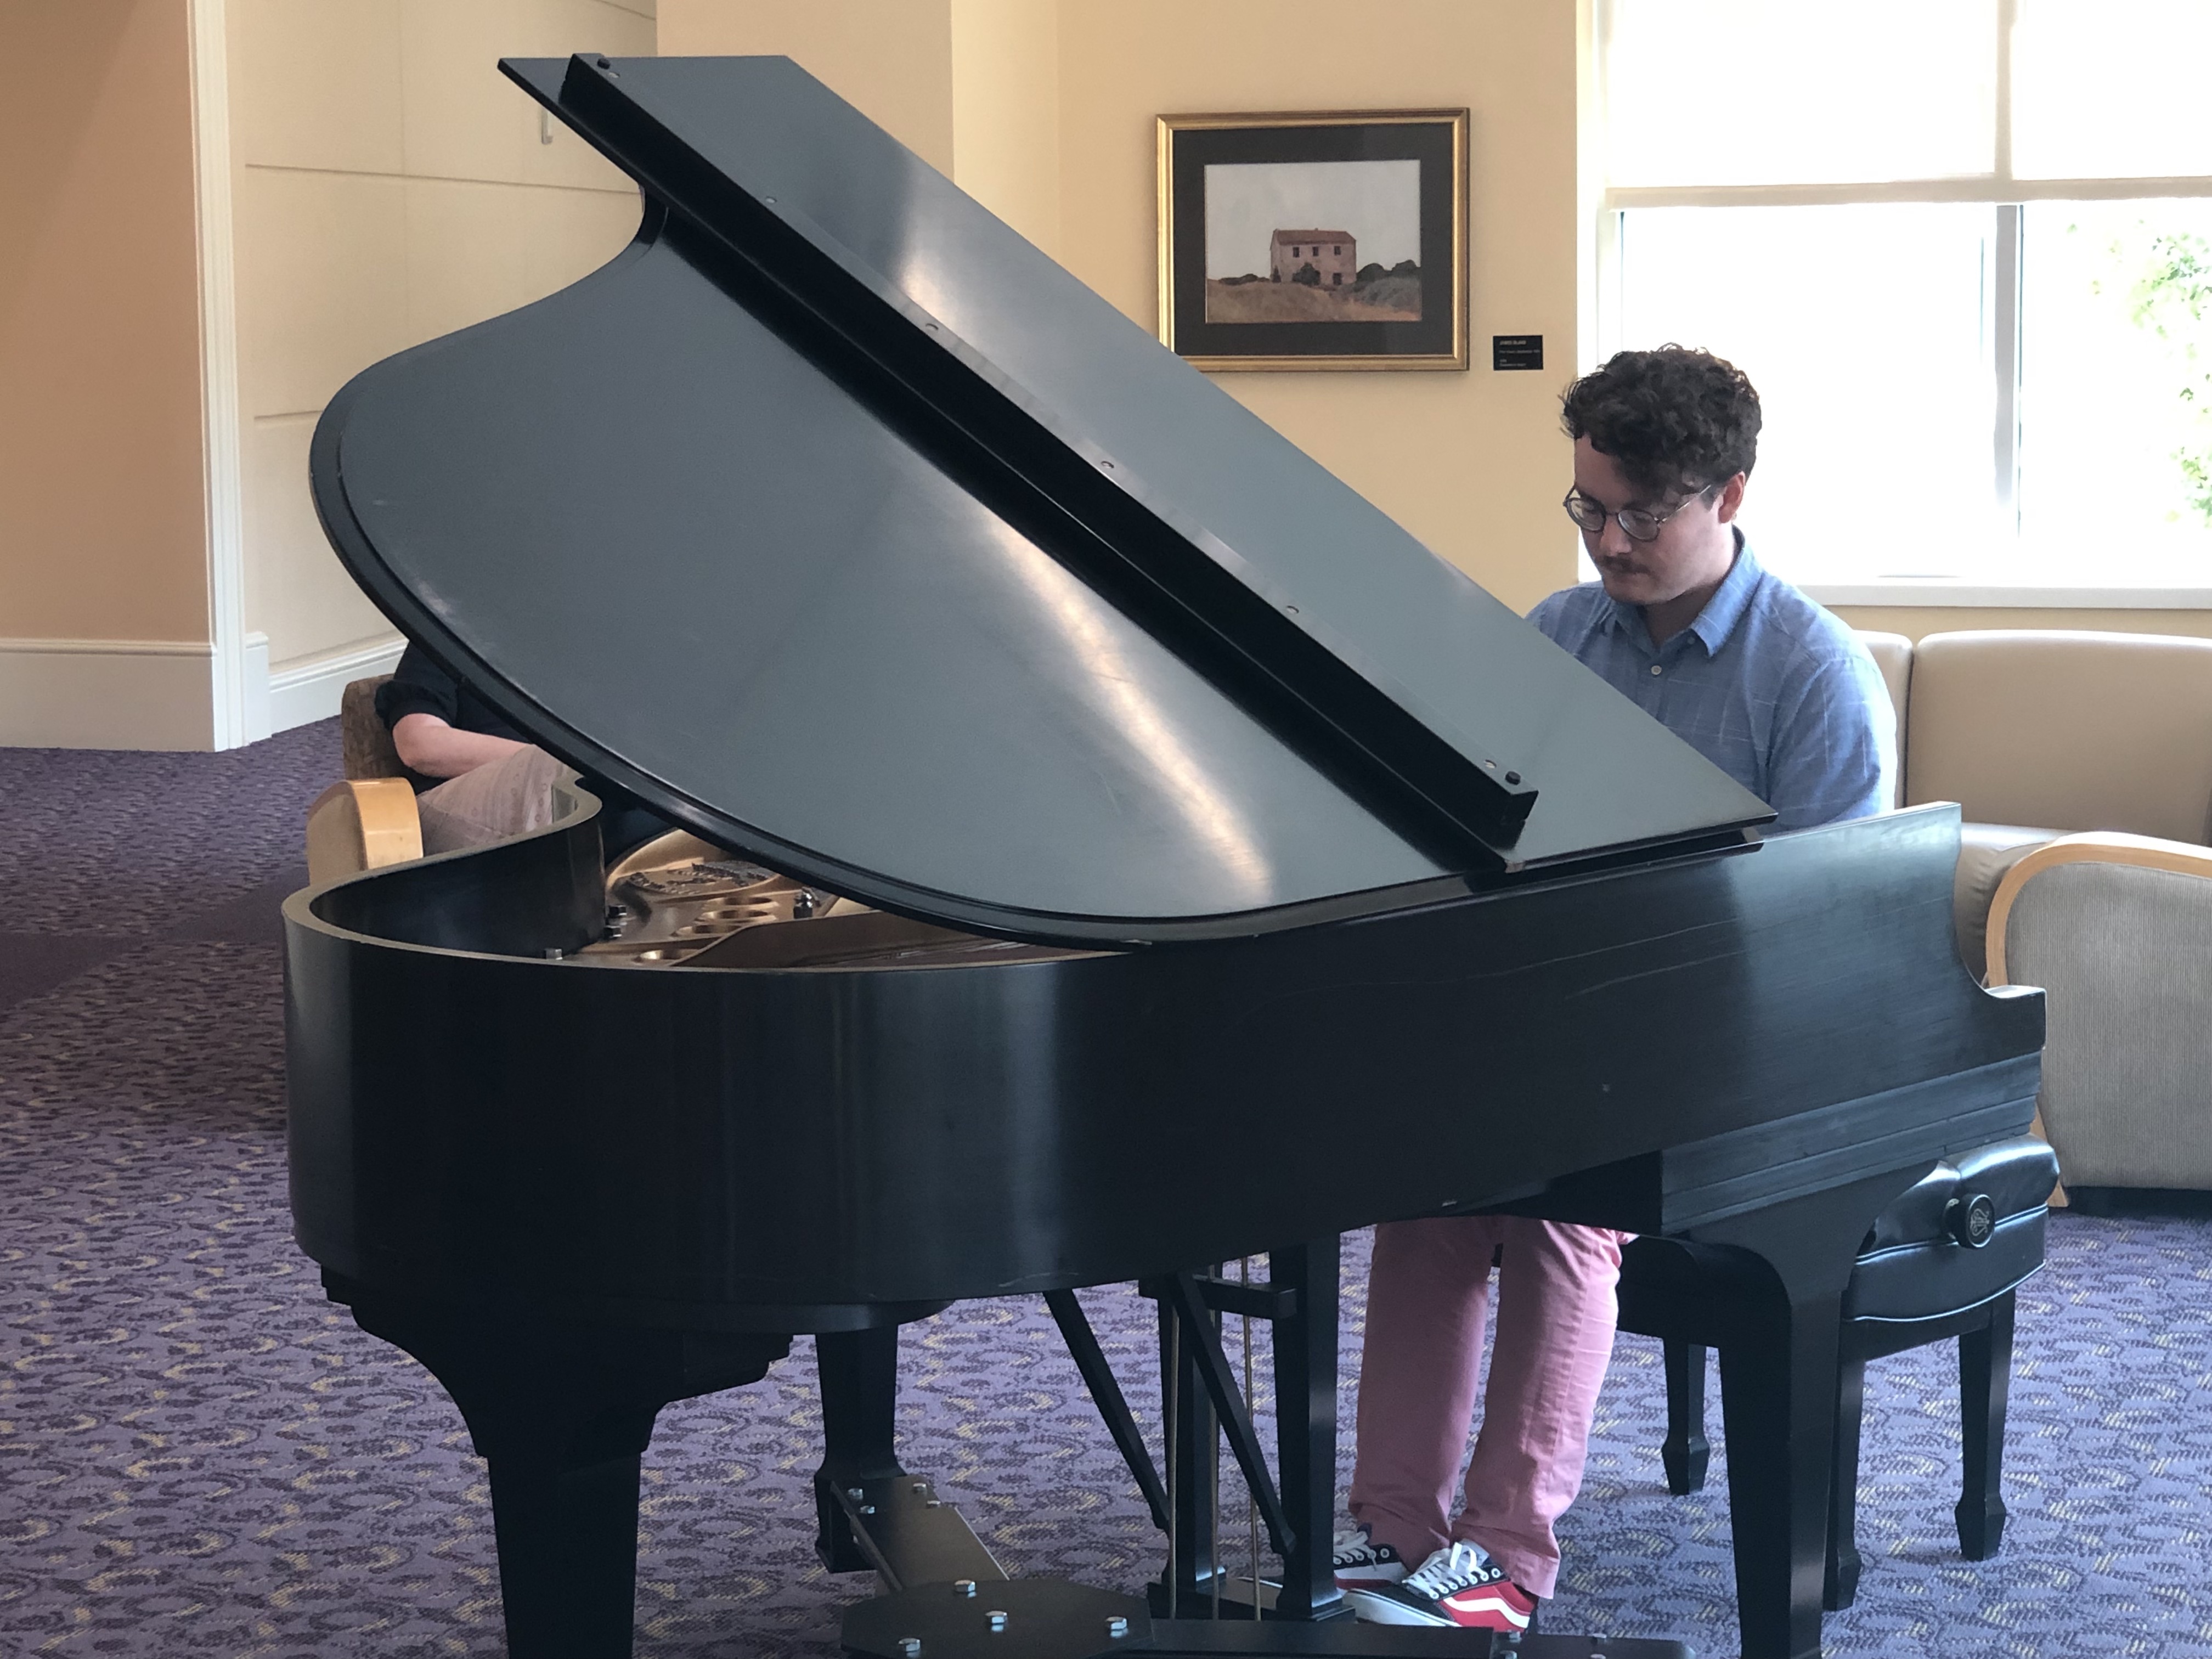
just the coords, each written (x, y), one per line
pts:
(1305, 1395)
(562, 1413)
(1778, 1399)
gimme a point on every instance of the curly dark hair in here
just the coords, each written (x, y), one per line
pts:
(1673, 419)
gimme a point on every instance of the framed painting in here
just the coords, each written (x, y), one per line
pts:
(1315, 241)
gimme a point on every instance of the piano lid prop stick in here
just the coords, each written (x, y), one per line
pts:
(1171, 1424)
(1251, 1404)
(1213, 1538)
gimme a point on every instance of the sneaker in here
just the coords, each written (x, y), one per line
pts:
(1459, 1585)
(1363, 1564)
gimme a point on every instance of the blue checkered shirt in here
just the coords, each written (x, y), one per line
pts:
(1765, 684)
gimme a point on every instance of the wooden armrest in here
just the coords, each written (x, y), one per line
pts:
(2180, 858)
(2099, 847)
(362, 824)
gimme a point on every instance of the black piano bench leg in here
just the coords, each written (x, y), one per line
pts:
(859, 1372)
(1984, 1379)
(1841, 1585)
(1685, 1451)
(562, 1414)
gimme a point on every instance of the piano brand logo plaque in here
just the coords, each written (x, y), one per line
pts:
(1315, 241)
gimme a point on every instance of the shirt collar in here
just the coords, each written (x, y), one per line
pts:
(1730, 600)
(1719, 617)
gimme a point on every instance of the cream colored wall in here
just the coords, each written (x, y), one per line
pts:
(1914, 621)
(102, 495)
(391, 187)
(1006, 112)
(1472, 463)
(892, 59)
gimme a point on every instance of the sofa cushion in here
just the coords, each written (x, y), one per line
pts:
(1986, 850)
(2078, 730)
(1892, 654)
(366, 747)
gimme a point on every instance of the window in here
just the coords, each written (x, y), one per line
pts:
(1972, 281)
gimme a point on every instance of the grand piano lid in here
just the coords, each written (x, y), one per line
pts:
(839, 522)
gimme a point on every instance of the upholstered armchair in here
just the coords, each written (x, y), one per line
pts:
(2083, 763)
(2118, 931)
(367, 819)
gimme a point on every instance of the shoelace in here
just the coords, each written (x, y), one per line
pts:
(1461, 1567)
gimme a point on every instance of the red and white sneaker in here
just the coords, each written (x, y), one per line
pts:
(1459, 1585)
(1362, 1563)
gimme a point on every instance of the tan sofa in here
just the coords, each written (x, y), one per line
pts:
(2083, 764)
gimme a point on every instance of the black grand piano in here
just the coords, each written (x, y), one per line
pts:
(1088, 806)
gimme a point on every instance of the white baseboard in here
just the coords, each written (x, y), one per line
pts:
(255, 723)
(107, 694)
(305, 689)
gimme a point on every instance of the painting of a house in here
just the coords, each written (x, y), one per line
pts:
(1320, 258)
(1285, 241)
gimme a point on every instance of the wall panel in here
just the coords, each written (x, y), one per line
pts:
(392, 187)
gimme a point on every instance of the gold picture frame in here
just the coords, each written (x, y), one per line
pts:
(1224, 321)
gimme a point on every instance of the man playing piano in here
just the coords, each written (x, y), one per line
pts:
(1685, 622)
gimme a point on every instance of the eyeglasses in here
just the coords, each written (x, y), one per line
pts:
(1636, 523)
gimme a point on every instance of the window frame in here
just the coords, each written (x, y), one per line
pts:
(1997, 188)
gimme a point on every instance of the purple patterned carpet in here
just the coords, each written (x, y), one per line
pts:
(199, 1456)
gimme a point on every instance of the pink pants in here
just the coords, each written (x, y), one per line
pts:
(1428, 1294)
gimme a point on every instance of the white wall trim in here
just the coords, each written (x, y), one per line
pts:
(106, 647)
(221, 444)
(1945, 591)
(306, 689)
(105, 694)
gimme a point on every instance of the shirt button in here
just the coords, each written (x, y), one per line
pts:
(1655, 669)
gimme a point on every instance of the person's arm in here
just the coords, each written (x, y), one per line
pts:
(1835, 753)
(438, 749)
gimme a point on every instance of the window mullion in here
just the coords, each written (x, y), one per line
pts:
(2005, 352)
(2007, 16)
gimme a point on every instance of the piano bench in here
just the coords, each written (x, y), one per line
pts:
(1943, 1260)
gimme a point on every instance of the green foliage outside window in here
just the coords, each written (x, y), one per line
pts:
(2171, 298)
